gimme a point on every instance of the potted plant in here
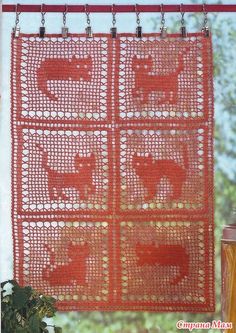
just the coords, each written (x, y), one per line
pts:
(24, 309)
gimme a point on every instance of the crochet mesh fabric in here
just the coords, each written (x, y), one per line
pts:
(113, 170)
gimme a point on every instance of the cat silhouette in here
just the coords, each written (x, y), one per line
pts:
(62, 69)
(81, 180)
(72, 271)
(164, 255)
(147, 82)
(152, 171)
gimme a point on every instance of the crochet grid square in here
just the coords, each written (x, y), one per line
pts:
(52, 157)
(75, 243)
(80, 90)
(181, 273)
(181, 63)
(112, 170)
(185, 188)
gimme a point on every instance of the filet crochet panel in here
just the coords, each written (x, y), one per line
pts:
(112, 167)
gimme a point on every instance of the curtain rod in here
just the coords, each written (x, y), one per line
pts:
(118, 8)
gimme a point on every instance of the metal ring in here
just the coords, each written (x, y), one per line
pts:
(87, 15)
(182, 14)
(113, 15)
(205, 15)
(42, 6)
(18, 6)
(162, 15)
(17, 20)
(137, 14)
(64, 14)
(42, 14)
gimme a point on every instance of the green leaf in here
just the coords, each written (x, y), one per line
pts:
(34, 323)
(20, 330)
(12, 282)
(24, 309)
(19, 298)
(28, 290)
(43, 324)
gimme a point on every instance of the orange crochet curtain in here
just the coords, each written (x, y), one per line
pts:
(113, 170)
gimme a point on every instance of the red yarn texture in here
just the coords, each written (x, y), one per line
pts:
(113, 171)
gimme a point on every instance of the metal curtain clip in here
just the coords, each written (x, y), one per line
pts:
(205, 28)
(113, 29)
(42, 29)
(163, 28)
(88, 29)
(16, 29)
(139, 33)
(64, 29)
(183, 30)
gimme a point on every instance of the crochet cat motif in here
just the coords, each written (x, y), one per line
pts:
(152, 171)
(164, 255)
(146, 82)
(82, 180)
(75, 69)
(67, 273)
